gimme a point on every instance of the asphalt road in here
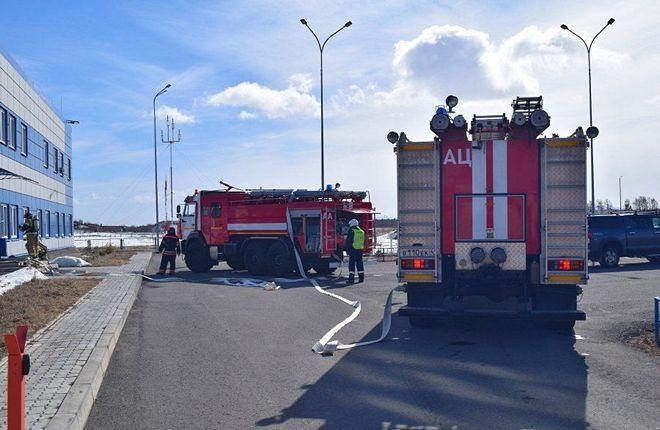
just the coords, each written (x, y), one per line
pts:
(198, 355)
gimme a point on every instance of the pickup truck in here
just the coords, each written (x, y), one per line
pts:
(624, 235)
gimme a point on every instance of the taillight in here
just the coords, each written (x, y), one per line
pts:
(417, 264)
(566, 265)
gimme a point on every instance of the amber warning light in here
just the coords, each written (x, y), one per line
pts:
(566, 265)
(417, 264)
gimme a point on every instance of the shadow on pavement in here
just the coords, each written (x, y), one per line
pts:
(493, 375)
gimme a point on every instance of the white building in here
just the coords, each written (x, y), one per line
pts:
(35, 164)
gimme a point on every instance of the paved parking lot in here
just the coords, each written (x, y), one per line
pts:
(195, 354)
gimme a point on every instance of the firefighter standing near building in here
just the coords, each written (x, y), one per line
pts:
(354, 246)
(31, 231)
(170, 248)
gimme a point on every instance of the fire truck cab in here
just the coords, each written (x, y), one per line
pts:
(492, 220)
(250, 229)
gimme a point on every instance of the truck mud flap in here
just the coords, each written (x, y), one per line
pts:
(540, 315)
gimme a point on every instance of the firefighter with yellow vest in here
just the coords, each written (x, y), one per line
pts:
(354, 246)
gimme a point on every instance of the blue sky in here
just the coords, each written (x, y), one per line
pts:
(245, 87)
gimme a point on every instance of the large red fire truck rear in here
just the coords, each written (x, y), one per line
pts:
(250, 229)
(492, 221)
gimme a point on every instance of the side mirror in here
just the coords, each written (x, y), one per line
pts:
(178, 209)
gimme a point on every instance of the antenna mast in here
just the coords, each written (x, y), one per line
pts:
(171, 140)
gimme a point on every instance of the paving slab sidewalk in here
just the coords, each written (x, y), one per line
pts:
(70, 355)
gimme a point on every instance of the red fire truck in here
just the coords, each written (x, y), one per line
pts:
(250, 229)
(492, 221)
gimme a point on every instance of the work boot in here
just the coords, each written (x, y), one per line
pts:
(351, 279)
(161, 272)
(360, 277)
(171, 272)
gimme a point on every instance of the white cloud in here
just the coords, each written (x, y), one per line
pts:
(174, 113)
(247, 115)
(450, 58)
(294, 100)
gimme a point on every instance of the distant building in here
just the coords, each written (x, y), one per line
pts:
(35, 164)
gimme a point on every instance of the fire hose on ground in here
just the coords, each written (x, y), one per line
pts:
(325, 345)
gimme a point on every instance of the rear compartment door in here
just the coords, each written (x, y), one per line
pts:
(563, 210)
(418, 199)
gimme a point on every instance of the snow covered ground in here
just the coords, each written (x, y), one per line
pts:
(14, 279)
(81, 240)
(387, 243)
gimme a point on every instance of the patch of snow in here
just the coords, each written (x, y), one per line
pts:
(12, 280)
(68, 261)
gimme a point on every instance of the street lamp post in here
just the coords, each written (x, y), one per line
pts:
(591, 122)
(321, 46)
(164, 90)
(620, 206)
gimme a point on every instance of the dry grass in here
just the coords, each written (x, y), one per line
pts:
(37, 303)
(103, 256)
(646, 342)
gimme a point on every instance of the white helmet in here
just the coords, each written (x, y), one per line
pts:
(353, 223)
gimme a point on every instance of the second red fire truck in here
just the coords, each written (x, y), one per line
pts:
(493, 220)
(251, 229)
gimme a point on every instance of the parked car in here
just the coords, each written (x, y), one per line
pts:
(624, 235)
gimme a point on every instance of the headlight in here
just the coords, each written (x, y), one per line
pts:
(477, 255)
(498, 255)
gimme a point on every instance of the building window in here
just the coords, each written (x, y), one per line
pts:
(3, 126)
(61, 163)
(70, 224)
(68, 165)
(4, 230)
(11, 131)
(24, 210)
(40, 223)
(13, 222)
(57, 223)
(56, 158)
(63, 225)
(24, 139)
(46, 153)
(48, 227)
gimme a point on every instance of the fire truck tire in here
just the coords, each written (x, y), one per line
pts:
(197, 257)
(254, 257)
(279, 259)
(236, 262)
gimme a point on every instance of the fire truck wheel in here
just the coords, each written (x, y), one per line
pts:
(279, 259)
(197, 257)
(254, 257)
(236, 262)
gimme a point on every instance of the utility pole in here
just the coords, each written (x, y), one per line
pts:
(171, 140)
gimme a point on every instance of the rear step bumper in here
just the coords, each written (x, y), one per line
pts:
(538, 315)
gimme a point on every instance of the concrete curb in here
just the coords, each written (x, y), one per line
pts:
(77, 405)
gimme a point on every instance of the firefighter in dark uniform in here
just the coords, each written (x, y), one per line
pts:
(170, 248)
(31, 230)
(354, 246)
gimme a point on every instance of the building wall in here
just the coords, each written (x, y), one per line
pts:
(48, 140)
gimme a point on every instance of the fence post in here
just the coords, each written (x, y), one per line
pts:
(18, 366)
(657, 320)
(89, 243)
(121, 243)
